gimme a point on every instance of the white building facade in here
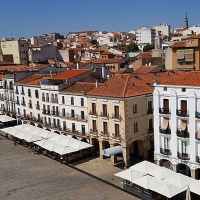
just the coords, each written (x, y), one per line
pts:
(177, 127)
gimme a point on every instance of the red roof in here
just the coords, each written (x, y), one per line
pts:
(179, 44)
(69, 74)
(32, 80)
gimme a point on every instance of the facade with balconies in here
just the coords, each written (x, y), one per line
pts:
(177, 123)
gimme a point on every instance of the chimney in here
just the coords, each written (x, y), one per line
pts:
(103, 72)
(77, 65)
(96, 83)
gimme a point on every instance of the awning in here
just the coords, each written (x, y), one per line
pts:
(111, 151)
(5, 118)
(165, 123)
(182, 126)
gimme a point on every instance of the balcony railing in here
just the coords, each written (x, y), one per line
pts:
(30, 105)
(93, 112)
(104, 134)
(165, 151)
(151, 130)
(183, 156)
(37, 107)
(166, 131)
(16, 92)
(47, 112)
(182, 113)
(183, 134)
(102, 114)
(93, 132)
(114, 116)
(22, 92)
(23, 103)
(149, 111)
(197, 115)
(17, 102)
(164, 111)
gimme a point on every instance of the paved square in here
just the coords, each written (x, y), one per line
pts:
(24, 175)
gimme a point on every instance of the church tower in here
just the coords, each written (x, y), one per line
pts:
(186, 22)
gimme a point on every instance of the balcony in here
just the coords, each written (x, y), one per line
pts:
(29, 94)
(93, 132)
(182, 134)
(17, 92)
(46, 112)
(197, 115)
(93, 112)
(151, 130)
(165, 151)
(22, 92)
(104, 135)
(54, 100)
(167, 131)
(149, 111)
(164, 111)
(37, 107)
(23, 103)
(182, 113)
(104, 114)
(183, 156)
(30, 105)
(17, 102)
(116, 137)
(114, 116)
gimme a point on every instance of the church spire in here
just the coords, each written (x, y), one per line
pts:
(186, 22)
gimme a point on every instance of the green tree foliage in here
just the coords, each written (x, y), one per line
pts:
(147, 48)
(132, 47)
(94, 42)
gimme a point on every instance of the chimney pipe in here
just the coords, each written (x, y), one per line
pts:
(96, 83)
(103, 72)
(77, 65)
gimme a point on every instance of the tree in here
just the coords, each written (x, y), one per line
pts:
(147, 47)
(132, 47)
(94, 42)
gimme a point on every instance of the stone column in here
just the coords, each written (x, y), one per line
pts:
(126, 156)
(158, 162)
(93, 147)
(175, 168)
(101, 147)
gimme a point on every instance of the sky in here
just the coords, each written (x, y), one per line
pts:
(25, 18)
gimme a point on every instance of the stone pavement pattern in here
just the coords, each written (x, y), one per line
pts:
(24, 175)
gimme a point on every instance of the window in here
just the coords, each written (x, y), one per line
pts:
(82, 102)
(116, 110)
(184, 147)
(104, 110)
(18, 110)
(94, 125)
(43, 97)
(183, 89)
(29, 92)
(94, 108)
(36, 94)
(83, 129)
(47, 97)
(116, 130)
(22, 45)
(135, 127)
(72, 100)
(135, 108)
(105, 127)
(63, 112)
(63, 100)
(73, 127)
(82, 115)
(72, 113)
(165, 88)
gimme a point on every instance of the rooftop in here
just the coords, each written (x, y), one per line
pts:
(31, 80)
(69, 74)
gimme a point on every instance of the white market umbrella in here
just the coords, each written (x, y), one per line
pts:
(129, 174)
(68, 141)
(188, 196)
(180, 180)
(162, 173)
(146, 181)
(62, 150)
(10, 130)
(20, 134)
(166, 189)
(195, 187)
(44, 142)
(32, 138)
(60, 138)
(145, 166)
(47, 134)
(80, 145)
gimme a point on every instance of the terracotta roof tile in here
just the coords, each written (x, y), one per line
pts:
(178, 44)
(69, 74)
(128, 85)
(145, 69)
(79, 87)
(104, 61)
(31, 80)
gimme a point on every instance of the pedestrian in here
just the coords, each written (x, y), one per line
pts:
(15, 141)
(6, 136)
